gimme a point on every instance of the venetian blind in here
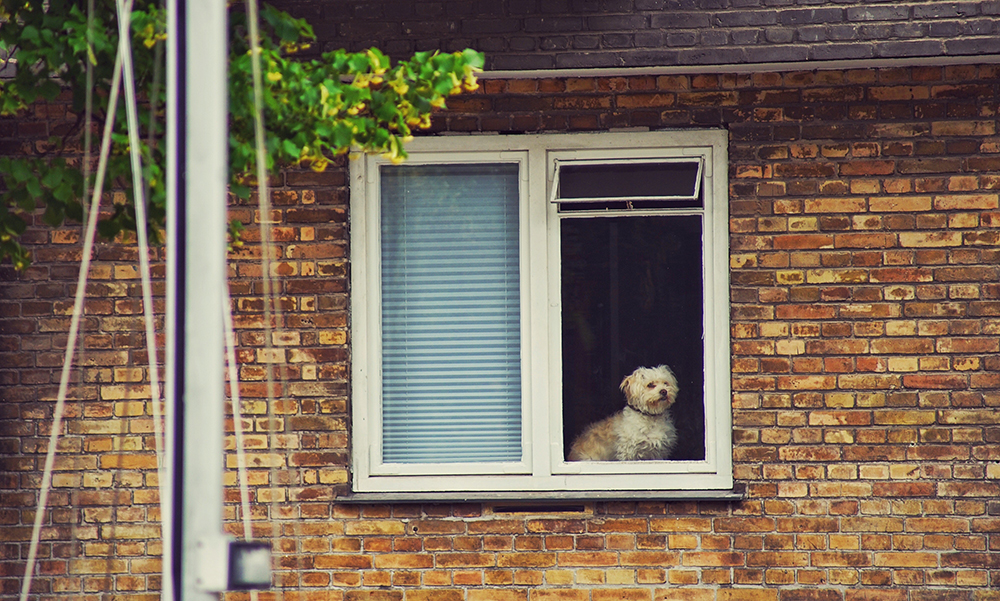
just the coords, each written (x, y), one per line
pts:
(451, 360)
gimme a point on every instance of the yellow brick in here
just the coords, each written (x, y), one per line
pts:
(790, 347)
(333, 476)
(934, 364)
(558, 577)
(590, 577)
(680, 524)
(963, 221)
(845, 542)
(98, 566)
(258, 460)
(836, 276)
(618, 576)
(899, 204)
(754, 594)
(898, 293)
(865, 186)
(904, 471)
(790, 278)
(962, 183)
(903, 364)
(684, 594)
(687, 541)
(930, 239)
(129, 408)
(337, 337)
(963, 291)
(285, 338)
(128, 374)
(874, 472)
(121, 392)
(375, 527)
(960, 202)
(903, 417)
(963, 128)
(126, 272)
(66, 480)
(967, 364)
(839, 400)
(866, 222)
(803, 224)
(838, 437)
(906, 560)
(773, 329)
(128, 462)
(836, 205)
(559, 595)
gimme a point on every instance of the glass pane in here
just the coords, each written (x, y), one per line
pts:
(629, 180)
(632, 296)
(451, 381)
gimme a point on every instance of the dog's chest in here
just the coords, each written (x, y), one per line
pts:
(645, 437)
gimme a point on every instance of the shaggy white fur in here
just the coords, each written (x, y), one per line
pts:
(642, 430)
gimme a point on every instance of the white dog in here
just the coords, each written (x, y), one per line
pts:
(642, 430)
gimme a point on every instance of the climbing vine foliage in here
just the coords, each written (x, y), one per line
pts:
(316, 106)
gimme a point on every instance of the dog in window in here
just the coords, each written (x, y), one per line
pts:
(643, 430)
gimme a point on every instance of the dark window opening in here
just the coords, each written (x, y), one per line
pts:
(632, 296)
(676, 181)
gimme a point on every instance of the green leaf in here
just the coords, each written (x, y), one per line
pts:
(240, 190)
(290, 148)
(19, 170)
(34, 187)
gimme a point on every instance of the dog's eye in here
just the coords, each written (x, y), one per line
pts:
(651, 385)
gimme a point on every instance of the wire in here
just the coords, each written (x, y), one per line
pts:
(74, 328)
(234, 387)
(266, 241)
(138, 188)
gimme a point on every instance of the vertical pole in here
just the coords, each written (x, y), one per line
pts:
(197, 168)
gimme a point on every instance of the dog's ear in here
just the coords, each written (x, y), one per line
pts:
(626, 382)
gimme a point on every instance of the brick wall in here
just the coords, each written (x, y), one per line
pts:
(865, 321)
(572, 34)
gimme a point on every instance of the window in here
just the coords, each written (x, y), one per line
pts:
(504, 286)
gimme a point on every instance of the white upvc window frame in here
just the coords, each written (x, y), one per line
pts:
(542, 468)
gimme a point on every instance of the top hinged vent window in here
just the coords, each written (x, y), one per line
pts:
(642, 184)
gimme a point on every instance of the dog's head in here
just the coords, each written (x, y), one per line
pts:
(650, 389)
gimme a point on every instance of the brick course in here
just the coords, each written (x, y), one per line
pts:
(574, 34)
(864, 305)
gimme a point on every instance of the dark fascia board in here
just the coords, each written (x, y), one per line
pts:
(741, 68)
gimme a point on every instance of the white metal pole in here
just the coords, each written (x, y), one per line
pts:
(198, 227)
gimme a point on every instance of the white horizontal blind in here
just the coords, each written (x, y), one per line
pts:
(451, 377)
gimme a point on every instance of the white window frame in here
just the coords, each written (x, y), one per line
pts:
(542, 468)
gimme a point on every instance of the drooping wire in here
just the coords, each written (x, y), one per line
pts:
(234, 394)
(124, 8)
(266, 241)
(74, 328)
(139, 199)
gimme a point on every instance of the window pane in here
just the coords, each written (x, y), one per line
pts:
(451, 381)
(629, 180)
(632, 296)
